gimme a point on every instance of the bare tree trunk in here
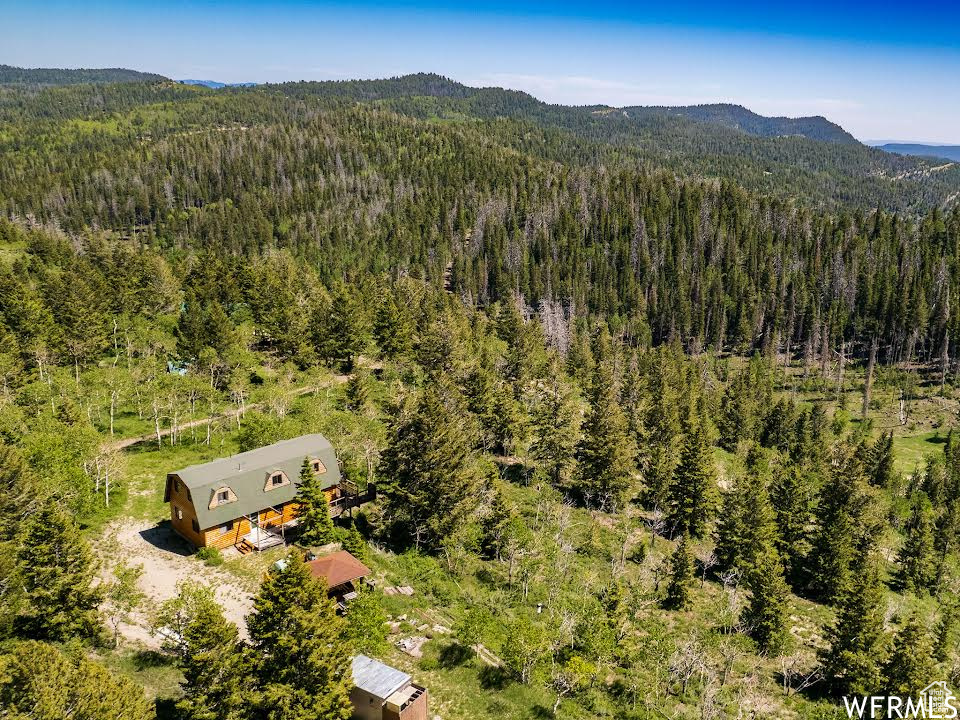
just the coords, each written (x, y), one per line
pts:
(868, 382)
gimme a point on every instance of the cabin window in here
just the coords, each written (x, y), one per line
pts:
(223, 496)
(196, 525)
(318, 466)
(275, 479)
(226, 527)
(179, 513)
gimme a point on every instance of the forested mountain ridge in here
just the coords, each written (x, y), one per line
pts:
(738, 117)
(822, 173)
(809, 158)
(38, 77)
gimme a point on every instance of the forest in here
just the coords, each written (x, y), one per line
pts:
(652, 437)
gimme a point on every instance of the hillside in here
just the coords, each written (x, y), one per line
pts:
(737, 117)
(10, 75)
(769, 155)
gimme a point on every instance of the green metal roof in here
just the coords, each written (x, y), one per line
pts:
(246, 475)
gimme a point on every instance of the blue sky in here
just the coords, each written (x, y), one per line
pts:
(883, 70)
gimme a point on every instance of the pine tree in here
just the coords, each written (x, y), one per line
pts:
(39, 682)
(358, 391)
(910, 666)
(605, 453)
(391, 328)
(946, 632)
(880, 469)
(852, 662)
(313, 512)
(766, 614)
(216, 678)
(342, 333)
(355, 544)
(746, 526)
(431, 480)
(301, 651)
(834, 542)
(681, 576)
(556, 426)
(56, 571)
(690, 497)
(663, 432)
(916, 559)
(790, 497)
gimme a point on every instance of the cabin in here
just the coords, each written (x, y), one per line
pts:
(248, 500)
(381, 692)
(342, 573)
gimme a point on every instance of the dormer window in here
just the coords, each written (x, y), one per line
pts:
(221, 496)
(275, 479)
(318, 467)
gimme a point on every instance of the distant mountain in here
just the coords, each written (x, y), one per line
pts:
(740, 118)
(214, 85)
(947, 152)
(811, 158)
(10, 75)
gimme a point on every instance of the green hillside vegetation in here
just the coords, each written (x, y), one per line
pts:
(646, 443)
(37, 77)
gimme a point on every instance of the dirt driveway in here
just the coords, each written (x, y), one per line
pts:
(166, 562)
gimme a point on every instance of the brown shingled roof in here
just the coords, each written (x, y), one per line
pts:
(338, 568)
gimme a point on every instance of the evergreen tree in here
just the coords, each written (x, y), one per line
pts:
(790, 497)
(663, 433)
(690, 497)
(355, 544)
(746, 526)
(681, 576)
(880, 466)
(853, 660)
(56, 571)
(766, 613)
(391, 328)
(946, 633)
(556, 427)
(313, 511)
(605, 452)
(39, 682)
(916, 559)
(834, 541)
(343, 332)
(429, 467)
(358, 391)
(910, 666)
(216, 671)
(301, 651)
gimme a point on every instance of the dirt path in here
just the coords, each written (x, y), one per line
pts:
(166, 563)
(228, 415)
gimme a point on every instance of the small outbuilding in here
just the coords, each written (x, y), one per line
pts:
(381, 692)
(341, 571)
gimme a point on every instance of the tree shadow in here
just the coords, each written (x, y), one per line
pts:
(541, 711)
(166, 709)
(493, 678)
(454, 654)
(163, 537)
(145, 659)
